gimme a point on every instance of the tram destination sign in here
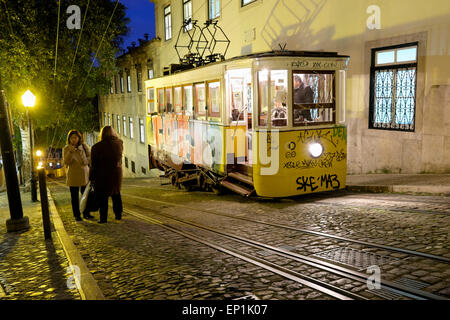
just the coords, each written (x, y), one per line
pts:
(320, 64)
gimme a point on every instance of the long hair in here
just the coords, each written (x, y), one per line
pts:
(107, 132)
(76, 132)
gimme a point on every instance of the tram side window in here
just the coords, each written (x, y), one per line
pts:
(263, 93)
(169, 101)
(160, 100)
(177, 99)
(200, 101)
(313, 98)
(214, 99)
(278, 90)
(151, 100)
(187, 100)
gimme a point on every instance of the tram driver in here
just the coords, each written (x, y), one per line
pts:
(303, 94)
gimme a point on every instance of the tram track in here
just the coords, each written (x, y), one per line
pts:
(280, 270)
(324, 287)
(322, 200)
(300, 230)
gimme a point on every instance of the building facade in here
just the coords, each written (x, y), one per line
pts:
(398, 83)
(124, 107)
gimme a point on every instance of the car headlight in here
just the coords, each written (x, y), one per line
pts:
(315, 149)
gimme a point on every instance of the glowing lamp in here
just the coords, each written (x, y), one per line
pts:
(28, 99)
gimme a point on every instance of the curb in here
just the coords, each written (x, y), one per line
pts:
(433, 190)
(86, 284)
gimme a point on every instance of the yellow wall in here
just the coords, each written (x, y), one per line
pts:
(341, 25)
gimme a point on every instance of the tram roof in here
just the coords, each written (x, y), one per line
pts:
(291, 53)
(268, 54)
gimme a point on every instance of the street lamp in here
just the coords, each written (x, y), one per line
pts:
(29, 100)
(17, 221)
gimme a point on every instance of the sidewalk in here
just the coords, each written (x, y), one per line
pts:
(437, 184)
(30, 266)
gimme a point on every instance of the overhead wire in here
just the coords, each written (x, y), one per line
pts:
(9, 20)
(71, 69)
(90, 68)
(56, 60)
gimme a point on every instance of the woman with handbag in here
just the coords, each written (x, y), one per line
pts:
(106, 172)
(76, 157)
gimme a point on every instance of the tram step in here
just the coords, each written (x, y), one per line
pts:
(241, 177)
(236, 188)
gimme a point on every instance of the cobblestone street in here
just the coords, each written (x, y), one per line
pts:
(145, 256)
(32, 268)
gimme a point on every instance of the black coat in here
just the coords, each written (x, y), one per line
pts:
(303, 95)
(106, 169)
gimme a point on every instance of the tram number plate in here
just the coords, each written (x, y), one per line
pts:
(312, 183)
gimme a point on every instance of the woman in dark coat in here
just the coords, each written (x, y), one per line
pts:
(106, 172)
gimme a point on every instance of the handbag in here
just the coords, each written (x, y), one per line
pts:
(84, 197)
(88, 200)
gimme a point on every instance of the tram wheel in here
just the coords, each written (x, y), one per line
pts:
(217, 189)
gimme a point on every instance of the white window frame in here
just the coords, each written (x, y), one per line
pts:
(130, 122)
(128, 82)
(214, 9)
(124, 122)
(187, 14)
(167, 23)
(141, 131)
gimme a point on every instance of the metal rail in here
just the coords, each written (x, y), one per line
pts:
(342, 271)
(284, 272)
(306, 280)
(317, 233)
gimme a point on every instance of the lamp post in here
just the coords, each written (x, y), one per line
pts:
(29, 101)
(17, 221)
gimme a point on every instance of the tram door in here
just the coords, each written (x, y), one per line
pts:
(241, 106)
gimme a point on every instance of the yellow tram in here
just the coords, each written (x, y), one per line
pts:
(270, 124)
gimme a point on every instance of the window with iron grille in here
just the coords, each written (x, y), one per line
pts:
(167, 23)
(187, 14)
(393, 78)
(133, 167)
(118, 124)
(144, 171)
(126, 162)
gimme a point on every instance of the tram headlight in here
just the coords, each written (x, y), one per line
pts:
(315, 149)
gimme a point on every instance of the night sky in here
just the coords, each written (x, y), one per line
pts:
(142, 20)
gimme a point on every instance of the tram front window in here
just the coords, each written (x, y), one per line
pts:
(313, 98)
(278, 90)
